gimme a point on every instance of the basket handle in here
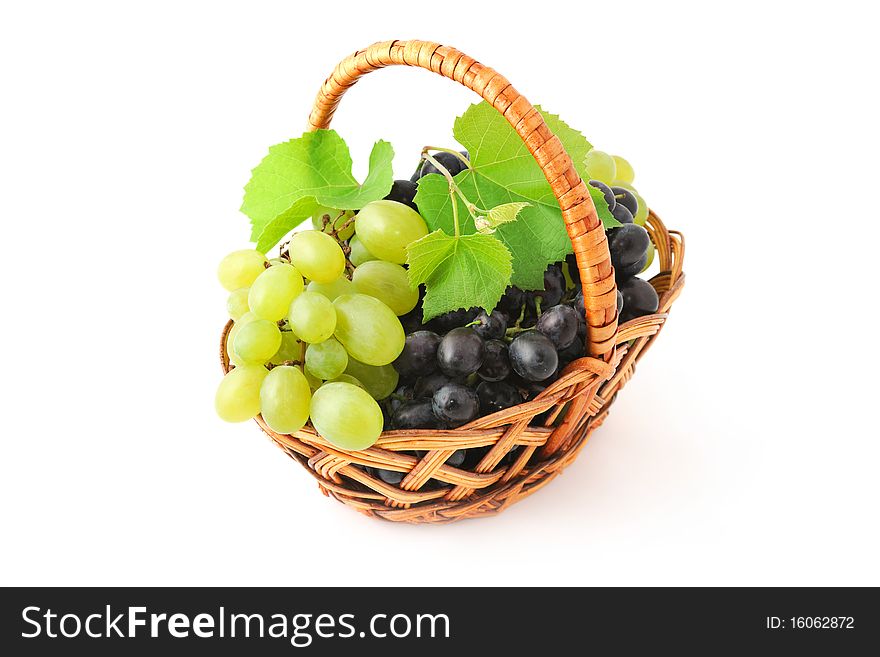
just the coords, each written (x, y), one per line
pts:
(581, 221)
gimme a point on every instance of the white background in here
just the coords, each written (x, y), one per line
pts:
(744, 451)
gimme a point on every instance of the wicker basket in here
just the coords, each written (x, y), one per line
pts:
(519, 455)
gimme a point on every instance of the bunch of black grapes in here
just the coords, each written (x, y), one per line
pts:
(469, 363)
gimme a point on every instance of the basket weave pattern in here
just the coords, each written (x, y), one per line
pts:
(572, 406)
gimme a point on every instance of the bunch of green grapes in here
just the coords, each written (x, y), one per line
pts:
(315, 331)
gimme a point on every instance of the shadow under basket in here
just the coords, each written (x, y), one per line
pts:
(516, 451)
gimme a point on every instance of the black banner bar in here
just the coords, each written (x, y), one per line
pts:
(432, 621)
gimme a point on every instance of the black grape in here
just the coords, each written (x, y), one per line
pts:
(460, 352)
(496, 364)
(533, 356)
(625, 273)
(606, 192)
(578, 304)
(639, 298)
(554, 287)
(455, 404)
(403, 191)
(451, 162)
(572, 352)
(511, 302)
(627, 198)
(454, 318)
(491, 326)
(403, 394)
(391, 477)
(560, 324)
(456, 458)
(419, 355)
(495, 396)
(619, 302)
(416, 415)
(428, 385)
(622, 214)
(573, 272)
(628, 246)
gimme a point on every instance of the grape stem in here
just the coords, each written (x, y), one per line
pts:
(454, 190)
(464, 160)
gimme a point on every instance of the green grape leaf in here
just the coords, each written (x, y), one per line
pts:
(503, 171)
(299, 175)
(458, 272)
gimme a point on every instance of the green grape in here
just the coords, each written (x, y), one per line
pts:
(230, 337)
(312, 317)
(317, 256)
(284, 399)
(359, 254)
(314, 382)
(290, 349)
(326, 360)
(346, 415)
(238, 396)
(378, 381)
(624, 170)
(332, 290)
(386, 228)
(387, 282)
(272, 292)
(600, 166)
(237, 303)
(240, 269)
(347, 378)
(257, 341)
(650, 257)
(335, 219)
(279, 261)
(368, 329)
(641, 217)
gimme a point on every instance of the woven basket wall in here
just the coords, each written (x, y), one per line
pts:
(520, 454)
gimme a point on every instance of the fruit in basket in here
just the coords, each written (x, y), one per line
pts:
(387, 282)
(403, 191)
(332, 290)
(628, 246)
(317, 256)
(237, 303)
(240, 268)
(369, 330)
(623, 170)
(533, 356)
(346, 415)
(379, 380)
(460, 352)
(560, 324)
(419, 355)
(273, 290)
(386, 228)
(358, 253)
(326, 360)
(312, 317)
(238, 396)
(639, 298)
(257, 341)
(600, 166)
(490, 297)
(455, 404)
(284, 399)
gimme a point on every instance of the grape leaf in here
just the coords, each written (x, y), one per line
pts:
(299, 175)
(503, 171)
(458, 272)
